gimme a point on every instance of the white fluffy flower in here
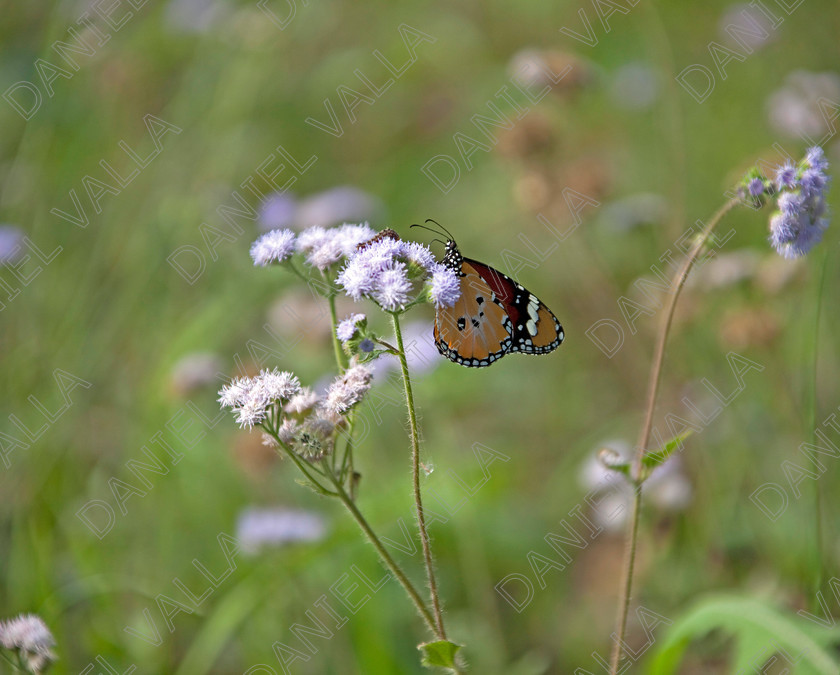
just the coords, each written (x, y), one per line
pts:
(250, 398)
(29, 636)
(346, 328)
(348, 390)
(324, 247)
(277, 385)
(274, 246)
(302, 402)
(233, 395)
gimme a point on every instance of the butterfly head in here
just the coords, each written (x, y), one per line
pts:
(452, 257)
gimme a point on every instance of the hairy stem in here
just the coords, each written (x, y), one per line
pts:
(390, 563)
(347, 500)
(415, 475)
(647, 424)
(340, 356)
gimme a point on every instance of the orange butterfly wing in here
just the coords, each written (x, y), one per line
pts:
(494, 316)
(534, 328)
(476, 330)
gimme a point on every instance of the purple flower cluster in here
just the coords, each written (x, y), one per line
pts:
(756, 187)
(252, 398)
(445, 288)
(262, 528)
(321, 246)
(326, 246)
(11, 244)
(801, 219)
(383, 271)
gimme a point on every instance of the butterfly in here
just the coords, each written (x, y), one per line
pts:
(494, 316)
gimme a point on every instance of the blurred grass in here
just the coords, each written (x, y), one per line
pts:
(110, 310)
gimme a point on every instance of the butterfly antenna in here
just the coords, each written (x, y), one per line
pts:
(445, 231)
(430, 230)
(426, 227)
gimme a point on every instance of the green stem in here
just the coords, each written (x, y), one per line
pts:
(293, 268)
(340, 356)
(345, 498)
(415, 475)
(390, 563)
(818, 535)
(644, 434)
(8, 659)
(347, 468)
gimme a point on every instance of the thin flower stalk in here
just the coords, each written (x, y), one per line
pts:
(415, 475)
(644, 433)
(820, 571)
(340, 356)
(394, 568)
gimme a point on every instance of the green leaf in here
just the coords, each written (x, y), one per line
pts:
(439, 654)
(651, 460)
(759, 630)
(620, 467)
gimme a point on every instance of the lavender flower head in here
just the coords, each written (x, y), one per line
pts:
(29, 636)
(755, 187)
(277, 385)
(798, 224)
(786, 176)
(346, 329)
(275, 246)
(383, 270)
(816, 158)
(445, 288)
(11, 244)
(393, 287)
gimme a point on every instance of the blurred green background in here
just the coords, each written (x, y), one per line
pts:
(97, 321)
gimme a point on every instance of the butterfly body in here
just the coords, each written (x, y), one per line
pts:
(493, 317)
